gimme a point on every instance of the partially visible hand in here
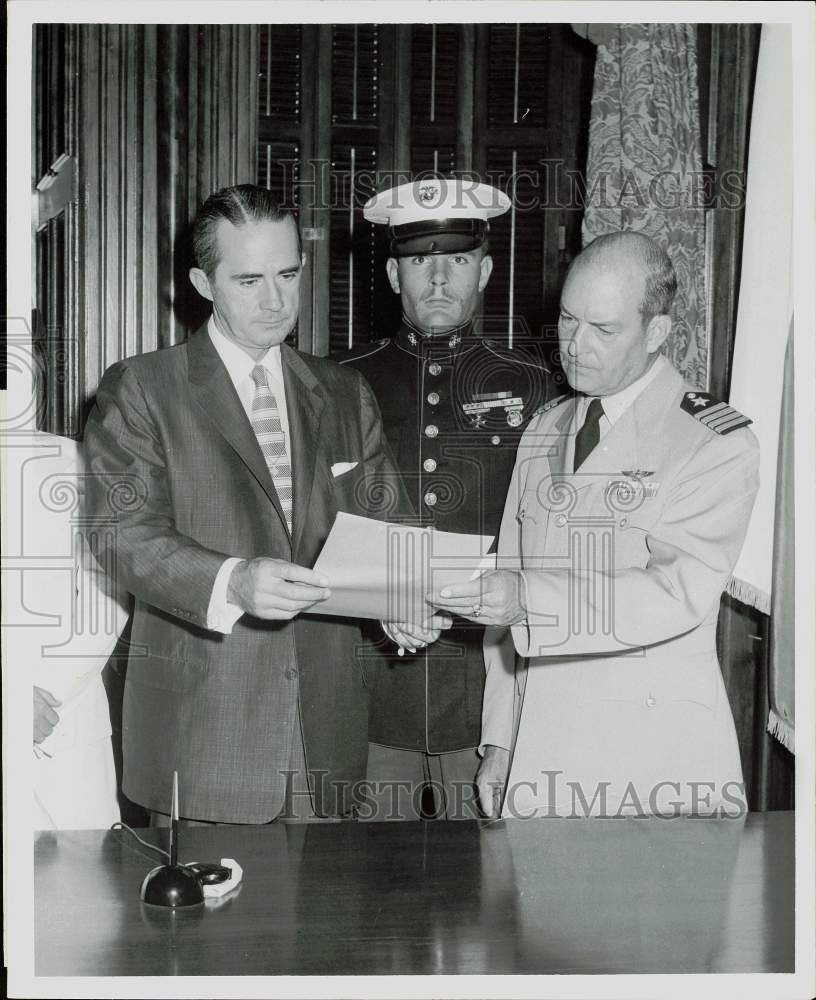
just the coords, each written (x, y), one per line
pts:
(275, 589)
(495, 598)
(410, 636)
(45, 718)
(491, 779)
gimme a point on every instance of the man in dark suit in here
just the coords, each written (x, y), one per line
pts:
(454, 405)
(238, 452)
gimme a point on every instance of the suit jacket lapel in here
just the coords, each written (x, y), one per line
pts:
(304, 403)
(212, 389)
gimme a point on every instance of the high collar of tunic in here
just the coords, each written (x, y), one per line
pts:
(442, 345)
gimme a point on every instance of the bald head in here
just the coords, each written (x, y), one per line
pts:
(631, 255)
(615, 312)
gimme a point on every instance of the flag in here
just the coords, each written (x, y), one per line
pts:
(764, 318)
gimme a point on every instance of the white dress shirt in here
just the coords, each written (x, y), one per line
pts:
(221, 615)
(615, 405)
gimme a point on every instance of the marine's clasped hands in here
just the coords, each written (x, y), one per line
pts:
(494, 598)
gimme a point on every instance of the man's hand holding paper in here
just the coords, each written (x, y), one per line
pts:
(275, 589)
(384, 571)
(495, 598)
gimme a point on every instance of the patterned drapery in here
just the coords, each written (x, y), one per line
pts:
(644, 168)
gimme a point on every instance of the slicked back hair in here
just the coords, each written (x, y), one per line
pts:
(240, 206)
(660, 286)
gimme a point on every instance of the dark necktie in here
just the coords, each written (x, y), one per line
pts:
(589, 434)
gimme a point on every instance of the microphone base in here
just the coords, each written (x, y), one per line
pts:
(171, 885)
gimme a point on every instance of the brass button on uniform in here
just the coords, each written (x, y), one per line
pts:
(291, 672)
(651, 701)
(434, 368)
(624, 521)
(430, 499)
(431, 431)
(495, 439)
(429, 465)
(560, 520)
(433, 398)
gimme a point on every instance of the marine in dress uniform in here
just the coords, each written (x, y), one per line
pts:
(454, 404)
(626, 514)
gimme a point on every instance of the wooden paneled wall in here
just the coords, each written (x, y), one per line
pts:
(727, 59)
(117, 191)
(57, 289)
(157, 117)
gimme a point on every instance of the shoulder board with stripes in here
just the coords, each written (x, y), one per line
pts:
(717, 416)
(552, 403)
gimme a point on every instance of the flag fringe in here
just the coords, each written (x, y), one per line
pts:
(749, 594)
(781, 730)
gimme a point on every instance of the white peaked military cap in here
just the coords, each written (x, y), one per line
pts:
(437, 215)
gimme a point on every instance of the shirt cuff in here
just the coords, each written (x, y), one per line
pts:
(221, 615)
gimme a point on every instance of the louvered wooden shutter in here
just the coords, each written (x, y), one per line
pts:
(352, 247)
(517, 84)
(355, 117)
(279, 110)
(434, 96)
(517, 75)
(510, 101)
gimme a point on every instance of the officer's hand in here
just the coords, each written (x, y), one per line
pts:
(491, 779)
(410, 636)
(45, 718)
(495, 598)
(275, 589)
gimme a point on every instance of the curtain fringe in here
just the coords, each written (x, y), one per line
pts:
(781, 730)
(749, 594)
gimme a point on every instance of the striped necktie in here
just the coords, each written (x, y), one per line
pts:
(267, 426)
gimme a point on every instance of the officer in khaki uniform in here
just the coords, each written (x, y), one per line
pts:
(627, 510)
(454, 403)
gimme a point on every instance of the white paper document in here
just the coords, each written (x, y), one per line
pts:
(384, 571)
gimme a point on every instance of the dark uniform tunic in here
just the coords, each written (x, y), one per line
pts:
(453, 408)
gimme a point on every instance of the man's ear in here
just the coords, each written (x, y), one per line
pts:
(657, 332)
(201, 283)
(485, 270)
(392, 270)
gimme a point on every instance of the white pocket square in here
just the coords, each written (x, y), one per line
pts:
(340, 467)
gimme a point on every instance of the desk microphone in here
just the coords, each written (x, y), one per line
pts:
(174, 884)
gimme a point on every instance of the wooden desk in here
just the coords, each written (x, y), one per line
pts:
(519, 896)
